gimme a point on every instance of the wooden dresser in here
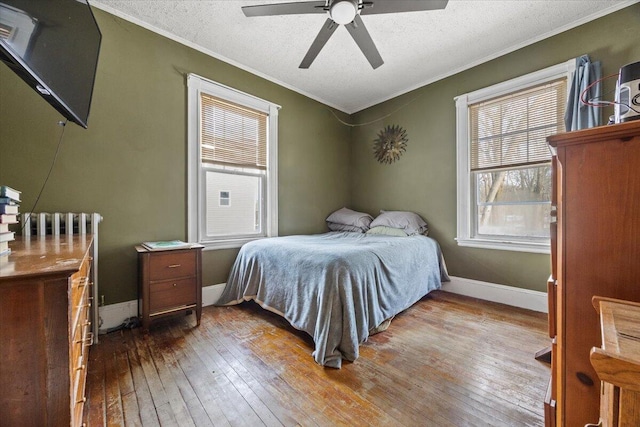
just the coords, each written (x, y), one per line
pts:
(617, 362)
(595, 250)
(44, 330)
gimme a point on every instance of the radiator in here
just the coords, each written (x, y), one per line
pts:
(40, 224)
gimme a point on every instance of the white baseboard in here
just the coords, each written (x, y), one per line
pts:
(210, 294)
(115, 314)
(517, 297)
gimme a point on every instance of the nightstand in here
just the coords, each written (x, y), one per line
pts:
(169, 282)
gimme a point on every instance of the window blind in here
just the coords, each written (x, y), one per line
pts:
(231, 134)
(511, 131)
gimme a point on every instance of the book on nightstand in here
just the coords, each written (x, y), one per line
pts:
(163, 246)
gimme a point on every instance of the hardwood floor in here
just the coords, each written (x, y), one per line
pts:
(447, 361)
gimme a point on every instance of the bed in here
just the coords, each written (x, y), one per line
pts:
(337, 286)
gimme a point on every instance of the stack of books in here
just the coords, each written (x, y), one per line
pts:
(9, 208)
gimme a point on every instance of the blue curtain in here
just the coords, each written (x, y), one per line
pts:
(579, 115)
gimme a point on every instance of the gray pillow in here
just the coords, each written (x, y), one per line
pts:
(334, 226)
(349, 220)
(410, 222)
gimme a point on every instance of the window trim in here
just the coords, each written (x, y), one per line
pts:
(465, 220)
(195, 173)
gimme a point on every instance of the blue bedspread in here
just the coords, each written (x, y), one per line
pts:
(335, 286)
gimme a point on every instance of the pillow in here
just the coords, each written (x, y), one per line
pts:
(348, 220)
(410, 222)
(334, 226)
(387, 231)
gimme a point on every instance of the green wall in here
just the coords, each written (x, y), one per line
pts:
(130, 164)
(424, 179)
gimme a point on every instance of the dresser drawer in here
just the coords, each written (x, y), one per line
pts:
(80, 339)
(79, 283)
(79, 310)
(173, 293)
(79, 394)
(549, 406)
(172, 264)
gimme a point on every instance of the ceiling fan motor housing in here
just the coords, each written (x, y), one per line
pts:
(343, 11)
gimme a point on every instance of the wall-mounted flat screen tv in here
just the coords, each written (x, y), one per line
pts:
(53, 45)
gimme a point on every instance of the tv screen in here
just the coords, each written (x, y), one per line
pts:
(53, 46)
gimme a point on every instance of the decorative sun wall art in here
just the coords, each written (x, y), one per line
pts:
(390, 144)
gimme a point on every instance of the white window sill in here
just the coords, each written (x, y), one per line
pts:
(532, 247)
(229, 243)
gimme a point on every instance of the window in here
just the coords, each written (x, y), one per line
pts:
(504, 162)
(232, 151)
(225, 199)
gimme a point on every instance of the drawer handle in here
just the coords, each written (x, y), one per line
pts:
(175, 284)
(84, 399)
(174, 265)
(81, 282)
(80, 368)
(88, 340)
(584, 378)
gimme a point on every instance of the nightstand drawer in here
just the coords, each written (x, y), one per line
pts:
(174, 293)
(172, 264)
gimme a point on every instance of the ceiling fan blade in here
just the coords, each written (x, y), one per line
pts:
(285, 8)
(321, 39)
(364, 41)
(395, 6)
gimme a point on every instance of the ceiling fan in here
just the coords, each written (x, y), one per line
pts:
(347, 13)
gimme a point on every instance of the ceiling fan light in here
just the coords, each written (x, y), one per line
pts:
(343, 11)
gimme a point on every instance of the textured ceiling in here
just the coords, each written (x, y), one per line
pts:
(417, 47)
